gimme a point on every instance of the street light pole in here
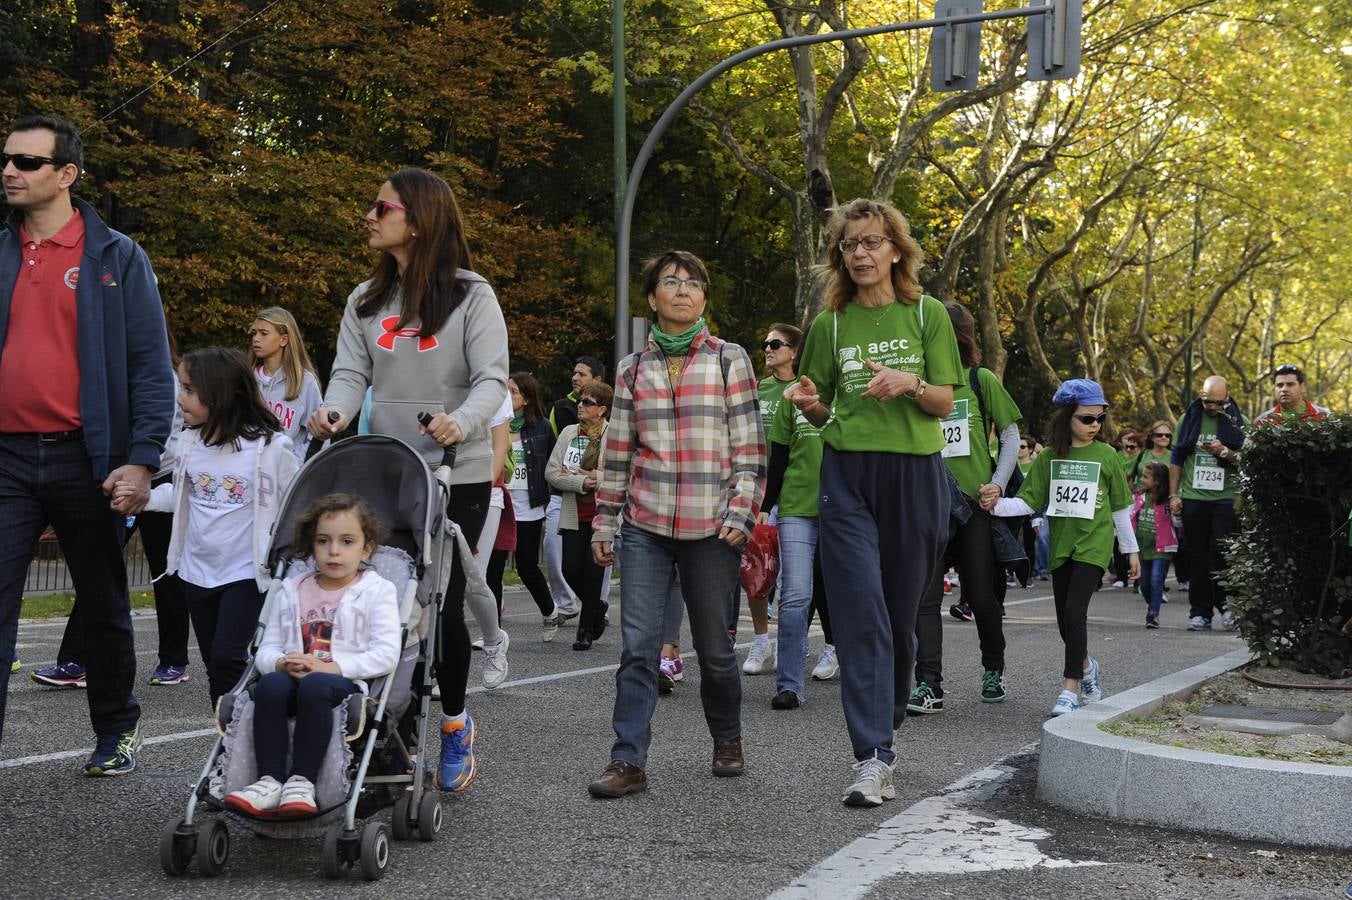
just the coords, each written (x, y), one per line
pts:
(622, 342)
(620, 160)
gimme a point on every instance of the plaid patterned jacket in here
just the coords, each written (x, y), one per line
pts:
(683, 460)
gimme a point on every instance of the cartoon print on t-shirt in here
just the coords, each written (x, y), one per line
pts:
(316, 637)
(204, 486)
(235, 488)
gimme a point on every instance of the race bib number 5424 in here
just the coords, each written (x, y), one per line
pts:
(1073, 492)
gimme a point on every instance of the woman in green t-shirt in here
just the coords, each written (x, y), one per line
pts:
(1081, 485)
(971, 548)
(879, 367)
(781, 350)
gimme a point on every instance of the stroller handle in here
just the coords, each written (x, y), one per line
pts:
(447, 453)
(316, 445)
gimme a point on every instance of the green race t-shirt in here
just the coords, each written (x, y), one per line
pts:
(968, 450)
(916, 338)
(771, 395)
(1085, 481)
(1145, 532)
(1204, 478)
(798, 496)
(1024, 467)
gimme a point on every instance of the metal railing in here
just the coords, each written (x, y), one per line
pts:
(47, 573)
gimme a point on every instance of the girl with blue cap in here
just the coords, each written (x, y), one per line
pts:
(1081, 485)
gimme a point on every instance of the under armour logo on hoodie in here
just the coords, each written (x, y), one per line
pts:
(392, 334)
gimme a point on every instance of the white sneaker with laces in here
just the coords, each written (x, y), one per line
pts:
(828, 666)
(1091, 686)
(550, 625)
(1119, 584)
(872, 784)
(1067, 702)
(298, 797)
(761, 659)
(1228, 621)
(495, 662)
(259, 798)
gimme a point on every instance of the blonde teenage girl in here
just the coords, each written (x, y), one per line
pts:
(285, 374)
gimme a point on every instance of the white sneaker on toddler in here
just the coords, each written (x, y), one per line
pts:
(297, 797)
(258, 799)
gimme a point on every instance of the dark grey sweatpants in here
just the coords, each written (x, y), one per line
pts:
(884, 521)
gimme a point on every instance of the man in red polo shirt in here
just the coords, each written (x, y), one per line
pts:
(89, 394)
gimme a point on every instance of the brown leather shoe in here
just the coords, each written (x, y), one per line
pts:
(728, 759)
(618, 779)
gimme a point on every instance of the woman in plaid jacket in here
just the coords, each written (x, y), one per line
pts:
(683, 468)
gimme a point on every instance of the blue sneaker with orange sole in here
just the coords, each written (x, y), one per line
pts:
(458, 768)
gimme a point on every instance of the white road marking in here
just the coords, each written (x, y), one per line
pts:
(190, 735)
(937, 836)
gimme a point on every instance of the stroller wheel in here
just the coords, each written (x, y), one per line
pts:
(176, 848)
(337, 858)
(375, 850)
(429, 816)
(213, 848)
(399, 824)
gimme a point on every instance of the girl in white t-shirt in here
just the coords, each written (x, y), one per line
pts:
(330, 630)
(231, 471)
(285, 374)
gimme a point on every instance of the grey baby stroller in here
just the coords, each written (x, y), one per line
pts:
(380, 738)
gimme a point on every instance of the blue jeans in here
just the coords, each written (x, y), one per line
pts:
(1152, 581)
(40, 483)
(797, 551)
(1044, 550)
(708, 569)
(311, 700)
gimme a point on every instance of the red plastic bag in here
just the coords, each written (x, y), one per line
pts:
(760, 562)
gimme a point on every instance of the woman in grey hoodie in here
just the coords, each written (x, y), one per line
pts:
(427, 335)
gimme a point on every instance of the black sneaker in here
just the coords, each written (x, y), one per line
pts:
(114, 754)
(962, 612)
(785, 700)
(992, 687)
(1152, 621)
(925, 700)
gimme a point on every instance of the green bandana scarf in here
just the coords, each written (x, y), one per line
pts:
(677, 344)
(518, 422)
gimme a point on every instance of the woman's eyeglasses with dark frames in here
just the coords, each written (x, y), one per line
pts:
(774, 344)
(870, 242)
(588, 401)
(1163, 434)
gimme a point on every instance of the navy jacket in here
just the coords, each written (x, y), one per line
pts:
(126, 380)
(537, 442)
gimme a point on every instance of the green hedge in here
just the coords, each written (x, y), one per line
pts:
(1289, 565)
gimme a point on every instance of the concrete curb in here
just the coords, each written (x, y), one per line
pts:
(1092, 772)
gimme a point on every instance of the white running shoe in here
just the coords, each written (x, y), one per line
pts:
(550, 626)
(828, 666)
(761, 659)
(298, 797)
(1091, 686)
(495, 662)
(1228, 621)
(259, 798)
(872, 784)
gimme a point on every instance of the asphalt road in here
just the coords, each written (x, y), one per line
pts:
(527, 828)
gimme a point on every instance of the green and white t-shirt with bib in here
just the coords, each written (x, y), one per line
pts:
(1079, 491)
(1204, 478)
(967, 450)
(916, 338)
(798, 495)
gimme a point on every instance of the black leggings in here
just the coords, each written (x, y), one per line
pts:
(585, 577)
(527, 566)
(224, 618)
(974, 554)
(1073, 586)
(468, 508)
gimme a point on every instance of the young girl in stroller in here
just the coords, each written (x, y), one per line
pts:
(330, 630)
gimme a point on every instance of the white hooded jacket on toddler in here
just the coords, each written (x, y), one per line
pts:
(366, 628)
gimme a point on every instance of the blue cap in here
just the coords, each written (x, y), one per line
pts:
(1079, 392)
